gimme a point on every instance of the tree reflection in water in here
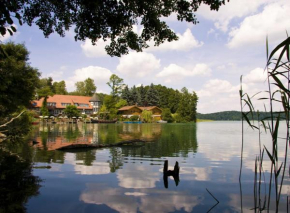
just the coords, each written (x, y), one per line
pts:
(17, 183)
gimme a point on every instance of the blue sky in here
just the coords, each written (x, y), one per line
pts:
(208, 58)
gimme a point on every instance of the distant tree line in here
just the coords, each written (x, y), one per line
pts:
(233, 116)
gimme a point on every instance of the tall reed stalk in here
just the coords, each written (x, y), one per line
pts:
(278, 93)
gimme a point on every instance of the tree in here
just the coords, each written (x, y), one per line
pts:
(152, 96)
(146, 116)
(121, 103)
(142, 95)
(107, 20)
(134, 96)
(71, 111)
(166, 115)
(187, 106)
(86, 88)
(116, 84)
(59, 88)
(17, 77)
(126, 95)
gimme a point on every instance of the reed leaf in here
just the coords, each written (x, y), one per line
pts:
(270, 156)
(275, 136)
(247, 119)
(283, 43)
(278, 172)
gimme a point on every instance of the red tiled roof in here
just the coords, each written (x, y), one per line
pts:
(68, 99)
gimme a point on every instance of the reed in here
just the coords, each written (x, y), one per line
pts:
(278, 93)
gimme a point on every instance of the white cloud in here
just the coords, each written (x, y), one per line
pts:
(138, 64)
(137, 177)
(100, 75)
(257, 75)
(272, 21)
(95, 51)
(232, 9)
(174, 71)
(185, 42)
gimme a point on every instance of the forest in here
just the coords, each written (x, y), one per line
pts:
(234, 116)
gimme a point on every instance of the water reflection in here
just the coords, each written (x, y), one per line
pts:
(131, 178)
(144, 200)
(17, 183)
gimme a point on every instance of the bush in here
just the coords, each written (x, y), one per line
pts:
(166, 115)
(134, 118)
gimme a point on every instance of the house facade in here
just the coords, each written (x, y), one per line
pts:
(128, 111)
(57, 103)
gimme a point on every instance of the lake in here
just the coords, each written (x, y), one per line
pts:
(130, 178)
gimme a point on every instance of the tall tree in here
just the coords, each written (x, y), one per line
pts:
(142, 95)
(126, 95)
(187, 105)
(17, 77)
(134, 96)
(116, 83)
(152, 96)
(59, 88)
(107, 20)
(86, 88)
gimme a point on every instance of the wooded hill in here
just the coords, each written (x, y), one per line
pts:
(232, 116)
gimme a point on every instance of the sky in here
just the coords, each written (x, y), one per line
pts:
(208, 58)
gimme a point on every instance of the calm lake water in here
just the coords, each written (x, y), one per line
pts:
(130, 178)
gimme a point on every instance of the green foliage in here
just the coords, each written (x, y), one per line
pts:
(187, 106)
(166, 115)
(44, 110)
(134, 96)
(86, 88)
(134, 118)
(152, 97)
(116, 84)
(20, 126)
(17, 77)
(141, 95)
(126, 95)
(107, 20)
(146, 116)
(59, 88)
(121, 103)
(71, 111)
(17, 182)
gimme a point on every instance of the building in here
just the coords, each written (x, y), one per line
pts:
(57, 103)
(128, 111)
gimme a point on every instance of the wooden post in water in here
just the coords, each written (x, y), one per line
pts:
(174, 173)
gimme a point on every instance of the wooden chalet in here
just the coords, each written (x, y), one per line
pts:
(128, 111)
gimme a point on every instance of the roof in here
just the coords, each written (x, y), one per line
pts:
(142, 108)
(149, 108)
(95, 98)
(127, 108)
(68, 99)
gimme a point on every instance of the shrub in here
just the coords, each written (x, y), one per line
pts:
(134, 118)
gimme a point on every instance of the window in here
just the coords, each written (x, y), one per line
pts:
(83, 105)
(65, 104)
(51, 104)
